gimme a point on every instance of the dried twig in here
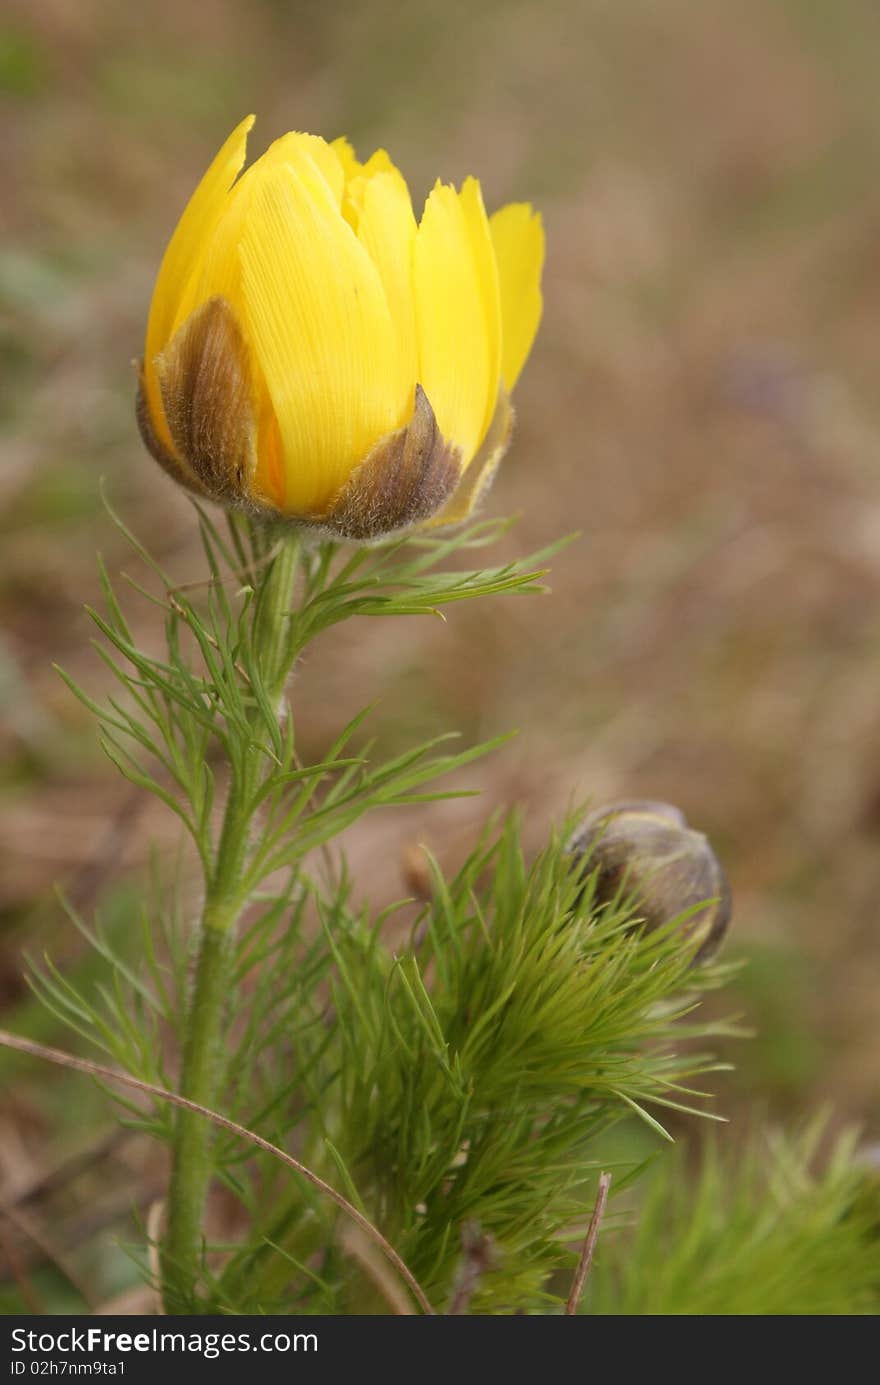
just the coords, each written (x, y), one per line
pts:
(18, 1271)
(243, 574)
(67, 1060)
(375, 1268)
(84, 1161)
(155, 1221)
(47, 1248)
(478, 1256)
(36, 1246)
(185, 615)
(586, 1260)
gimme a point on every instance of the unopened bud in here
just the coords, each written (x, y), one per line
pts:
(646, 851)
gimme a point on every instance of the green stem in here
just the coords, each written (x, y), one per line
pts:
(202, 1066)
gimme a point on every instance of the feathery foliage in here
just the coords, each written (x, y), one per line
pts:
(450, 1065)
(772, 1231)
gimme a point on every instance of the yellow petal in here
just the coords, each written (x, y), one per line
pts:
(518, 238)
(218, 271)
(297, 147)
(319, 325)
(220, 274)
(182, 258)
(458, 314)
(344, 151)
(379, 162)
(220, 267)
(386, 228)
(358, 176)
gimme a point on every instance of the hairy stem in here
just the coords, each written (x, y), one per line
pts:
(202, 1065)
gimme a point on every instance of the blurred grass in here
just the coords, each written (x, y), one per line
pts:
(702, 403)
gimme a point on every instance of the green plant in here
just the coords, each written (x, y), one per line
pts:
(775, 1229)
(448, 1075)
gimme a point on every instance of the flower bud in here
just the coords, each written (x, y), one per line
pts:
(647, 851)
(314, 353)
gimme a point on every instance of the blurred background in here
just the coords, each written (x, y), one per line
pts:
(703, 404)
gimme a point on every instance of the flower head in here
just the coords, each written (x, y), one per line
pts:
(314, 353)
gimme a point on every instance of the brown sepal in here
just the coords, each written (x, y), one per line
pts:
(155, 446)
(208, 400)
(407, 477)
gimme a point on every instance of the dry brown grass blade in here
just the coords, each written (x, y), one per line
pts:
(47, 1248)
(478, 1255)
(589, 1246)
(375, 1267)
(155, 1222)
(45, 1183)
(9, 1253)
(67, 1060)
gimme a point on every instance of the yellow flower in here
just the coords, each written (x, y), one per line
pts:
(314, 353)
